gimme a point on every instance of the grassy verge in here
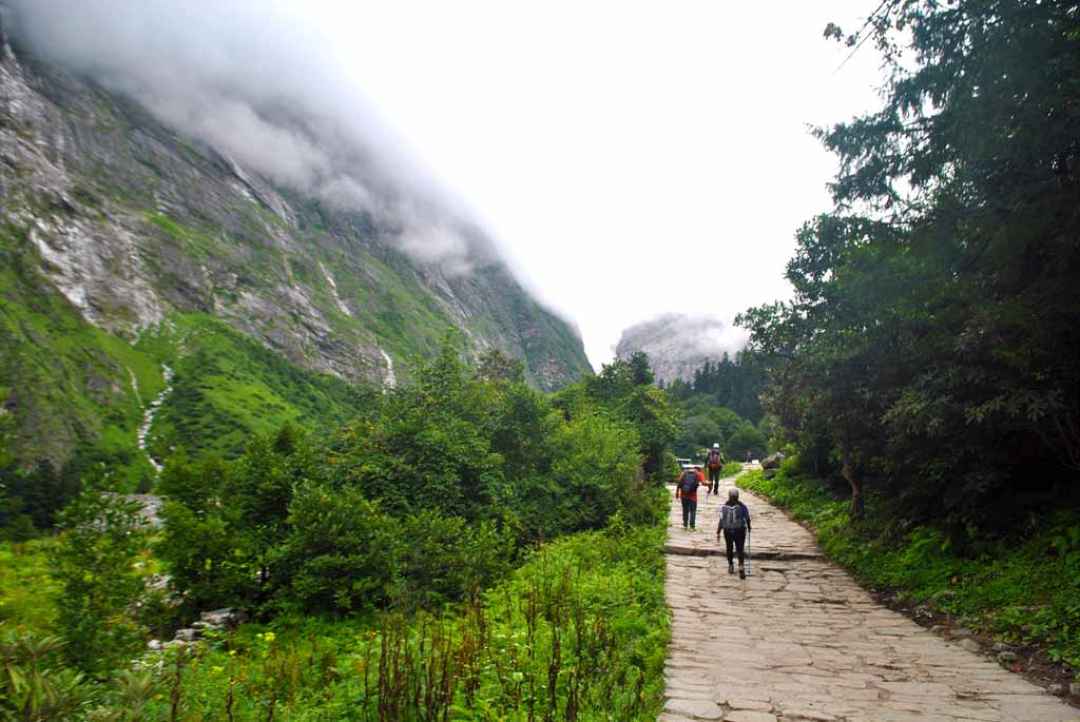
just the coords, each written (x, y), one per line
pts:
(731, 468)
(27, 591)
(1021, 591)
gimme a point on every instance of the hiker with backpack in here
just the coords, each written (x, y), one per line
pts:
(689, 481)
(715, 462)
(735, 523)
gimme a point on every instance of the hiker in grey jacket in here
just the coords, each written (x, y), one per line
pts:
(735, 524)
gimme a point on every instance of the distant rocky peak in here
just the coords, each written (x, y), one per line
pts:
(678, 344)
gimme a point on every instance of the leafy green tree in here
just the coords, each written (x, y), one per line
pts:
(494, 365)
(653, 417)
(733, 383)
(624, 390)
(443, 559)
(31, 499)
(421, 502)
(746, 438)
(340, 553)
(702, 423)
(100, 563)
(641, 372)
(936, 315)
(592, 471)
(430, 437)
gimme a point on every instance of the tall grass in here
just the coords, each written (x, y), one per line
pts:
(579, 632)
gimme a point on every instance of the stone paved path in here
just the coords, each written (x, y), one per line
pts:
(800, 640)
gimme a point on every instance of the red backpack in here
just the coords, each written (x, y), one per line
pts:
(714, 459)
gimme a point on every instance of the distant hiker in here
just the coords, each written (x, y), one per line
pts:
(748, 456)
(735, 523)
(689, 482)
(715, 463)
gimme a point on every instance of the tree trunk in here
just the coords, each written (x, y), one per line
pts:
(858, 506)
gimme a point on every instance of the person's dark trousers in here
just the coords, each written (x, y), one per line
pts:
(714, 479)
(736, 538)
(689, 512)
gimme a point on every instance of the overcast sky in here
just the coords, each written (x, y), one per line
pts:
(631, 158)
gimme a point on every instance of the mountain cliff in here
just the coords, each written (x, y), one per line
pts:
(135, 259)
(679, 344)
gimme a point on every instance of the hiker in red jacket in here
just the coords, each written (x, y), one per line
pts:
(686, 490)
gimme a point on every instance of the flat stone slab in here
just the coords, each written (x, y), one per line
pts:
(800, 640)
(689, 549)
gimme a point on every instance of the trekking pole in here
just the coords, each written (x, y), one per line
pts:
(748, 572)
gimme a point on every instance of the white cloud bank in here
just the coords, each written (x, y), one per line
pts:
(259, 81)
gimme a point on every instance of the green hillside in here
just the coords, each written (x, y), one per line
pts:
(128, 247)
(75, 394)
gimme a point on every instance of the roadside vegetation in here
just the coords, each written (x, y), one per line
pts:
(465, 548)
(929, 351)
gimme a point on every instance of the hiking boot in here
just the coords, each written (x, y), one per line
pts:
(730, 568)
(742, 572)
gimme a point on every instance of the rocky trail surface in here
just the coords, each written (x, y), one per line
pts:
(800, 640)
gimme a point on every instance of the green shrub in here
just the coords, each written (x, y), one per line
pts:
(34, 684)
(28, 590)
(731, 468)
(340, 553)
(443, 559)
(580, 631)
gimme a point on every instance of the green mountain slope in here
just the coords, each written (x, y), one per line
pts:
(127, 246)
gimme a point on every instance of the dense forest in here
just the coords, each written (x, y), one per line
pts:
(930, 350)
(926, 368)
(721, 405)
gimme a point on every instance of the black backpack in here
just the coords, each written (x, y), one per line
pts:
(732, 517)
(689, 482)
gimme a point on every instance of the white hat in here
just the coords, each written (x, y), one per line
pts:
(716, 445)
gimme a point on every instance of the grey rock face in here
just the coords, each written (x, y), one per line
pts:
(772, 461)
(223, 618)
(678, 345)
(187, 635)
(132, 221)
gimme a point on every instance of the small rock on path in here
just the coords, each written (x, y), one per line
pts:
(800, 640)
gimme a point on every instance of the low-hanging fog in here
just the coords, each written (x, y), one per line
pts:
(257, 80)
